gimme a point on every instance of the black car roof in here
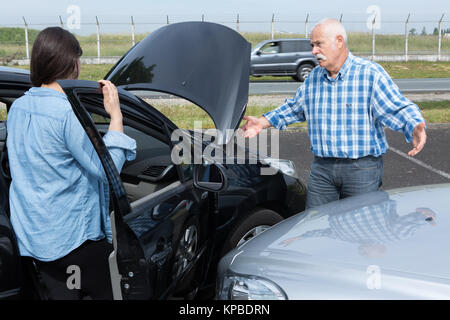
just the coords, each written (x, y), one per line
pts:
(14, 75)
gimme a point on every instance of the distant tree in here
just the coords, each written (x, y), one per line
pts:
(424, 32)
(413, 31)
(435, 31)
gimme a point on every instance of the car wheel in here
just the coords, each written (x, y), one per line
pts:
(250, 226)
(303, 71)
(187, 248)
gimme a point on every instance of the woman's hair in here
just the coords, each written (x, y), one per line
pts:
(54, 56)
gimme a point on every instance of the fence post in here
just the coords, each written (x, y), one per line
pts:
(340, 19)
(237, 23)
(132, 31)
(373, 37)
(27, 48)
(167, 19)
(203, 18)
(406, 37)
(440, 38)
(61, 22)
(98, 39)
(273, 22)
(306, 25)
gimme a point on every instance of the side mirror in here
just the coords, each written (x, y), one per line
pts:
(210, 177)
(258, 53)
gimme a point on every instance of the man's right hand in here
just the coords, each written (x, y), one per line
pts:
(253, 126)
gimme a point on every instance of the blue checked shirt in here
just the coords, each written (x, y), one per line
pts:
(346, 116)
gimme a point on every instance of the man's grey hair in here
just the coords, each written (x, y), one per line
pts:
(332, 28)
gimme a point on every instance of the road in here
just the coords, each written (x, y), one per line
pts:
(405, 85)
(289, 87)
(428, 167)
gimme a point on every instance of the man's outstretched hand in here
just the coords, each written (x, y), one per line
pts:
(419, 139)
(253, 126)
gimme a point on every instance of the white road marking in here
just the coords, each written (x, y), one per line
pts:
(420, 163)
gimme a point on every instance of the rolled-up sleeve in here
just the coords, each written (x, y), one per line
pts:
(291, 111)
(120, 146)
(392, 109)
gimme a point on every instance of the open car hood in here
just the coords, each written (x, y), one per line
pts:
(205, 63)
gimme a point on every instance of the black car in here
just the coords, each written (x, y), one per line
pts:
(283, 57)
(171, 222)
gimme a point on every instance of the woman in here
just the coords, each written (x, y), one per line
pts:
(59, 191)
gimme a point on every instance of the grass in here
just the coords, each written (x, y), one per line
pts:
(185, 115)
(12, 42)
(435, 111)
(397, 70)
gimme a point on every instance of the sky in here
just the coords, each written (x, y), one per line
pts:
(115, 16)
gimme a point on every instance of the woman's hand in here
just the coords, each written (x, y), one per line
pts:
(112, 104)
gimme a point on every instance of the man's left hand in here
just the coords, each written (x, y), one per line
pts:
(419, 139)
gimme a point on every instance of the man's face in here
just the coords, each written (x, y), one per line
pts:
(323, 48)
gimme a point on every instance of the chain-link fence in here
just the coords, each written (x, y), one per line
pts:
(106, 41)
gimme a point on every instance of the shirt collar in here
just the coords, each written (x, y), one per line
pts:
(343, 70)
(45, 92)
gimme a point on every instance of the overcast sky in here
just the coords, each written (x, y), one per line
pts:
(289, 14)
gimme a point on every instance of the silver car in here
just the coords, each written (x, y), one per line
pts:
(382, 245)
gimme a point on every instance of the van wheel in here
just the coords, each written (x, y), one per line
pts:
(303, 71)
(250, 226)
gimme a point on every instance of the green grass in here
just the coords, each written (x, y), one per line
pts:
(12, 44)
(397, 70)
(185, 115)
(435, 111)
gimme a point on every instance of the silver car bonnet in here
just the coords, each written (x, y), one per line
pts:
(400, 232)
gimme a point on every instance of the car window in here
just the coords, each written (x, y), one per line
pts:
(304, 45)
(295, 46)
(2, 111)
(270, 48)
(98, 119)
(183, 113)
(290, 46)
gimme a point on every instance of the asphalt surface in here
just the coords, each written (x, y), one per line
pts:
(290, 87)
(405, 85)
(430, 166)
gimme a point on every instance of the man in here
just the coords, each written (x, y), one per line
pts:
(346, 101)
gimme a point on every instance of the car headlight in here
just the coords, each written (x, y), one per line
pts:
(243, 287)
(285, 166)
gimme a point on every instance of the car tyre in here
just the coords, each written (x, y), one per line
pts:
(185, 253)
(303, 72)
(249, 226)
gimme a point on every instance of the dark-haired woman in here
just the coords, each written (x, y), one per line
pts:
(59, 191)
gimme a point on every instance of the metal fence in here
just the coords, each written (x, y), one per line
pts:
(366, 38)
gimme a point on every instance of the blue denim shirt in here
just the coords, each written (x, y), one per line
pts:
(59, 194)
